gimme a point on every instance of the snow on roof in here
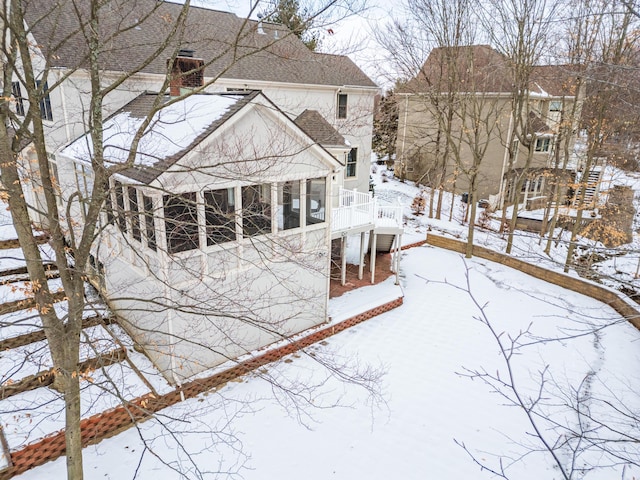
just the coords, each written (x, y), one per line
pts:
(172, 130)
(541, 93)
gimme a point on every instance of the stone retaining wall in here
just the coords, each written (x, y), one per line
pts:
(101, 426)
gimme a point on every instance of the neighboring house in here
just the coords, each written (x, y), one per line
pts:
(456, 116)
(217, 241)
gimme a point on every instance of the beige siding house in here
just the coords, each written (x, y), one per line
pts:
(456, 119)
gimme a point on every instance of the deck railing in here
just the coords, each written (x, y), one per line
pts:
(356, 209)
(389, 216)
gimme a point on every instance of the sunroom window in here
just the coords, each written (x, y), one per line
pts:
(135, 214)
(181, 222)
(219, 208)
(256, 209)
(316, 194)
(288, 205)
(150, 226)
(120, 218)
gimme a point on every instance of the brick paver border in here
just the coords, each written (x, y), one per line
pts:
(101, 426)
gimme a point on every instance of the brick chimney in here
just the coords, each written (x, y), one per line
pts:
(186, 72)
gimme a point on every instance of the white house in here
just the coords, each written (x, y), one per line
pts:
(217, 241)
(234, 54)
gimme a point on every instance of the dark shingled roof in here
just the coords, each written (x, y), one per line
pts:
(321, 131)
(474, 68)
(557, 80)
(232, 47)
(480, 68)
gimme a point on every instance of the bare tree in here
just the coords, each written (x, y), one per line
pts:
(99, 34)
(580, 425)
(520, 31)
(606, 59)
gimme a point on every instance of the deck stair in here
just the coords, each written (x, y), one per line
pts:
(591, 188)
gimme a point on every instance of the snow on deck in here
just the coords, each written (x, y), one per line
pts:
(11, 292)
(29, 416)
(30, 359)
(13, 258)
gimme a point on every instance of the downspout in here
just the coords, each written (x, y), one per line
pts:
(164, 263)
(64, 109)
(329, 221)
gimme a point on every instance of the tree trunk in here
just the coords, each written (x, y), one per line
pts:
(472, 206)
(73, 434)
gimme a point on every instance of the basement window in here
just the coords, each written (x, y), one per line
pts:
(181, 222)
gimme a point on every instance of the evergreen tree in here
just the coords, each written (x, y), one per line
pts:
(297, 19)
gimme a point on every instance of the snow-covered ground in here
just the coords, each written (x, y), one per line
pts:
(616, 266)
(426, 347)
(427, 404)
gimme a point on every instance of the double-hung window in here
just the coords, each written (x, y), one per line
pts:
(543, 144)
(17, 95)
(45, 102)
(352, 162)
(342, 106)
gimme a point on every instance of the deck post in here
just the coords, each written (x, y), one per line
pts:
(343, 258)
(361, 264)
(398, 255)
(372, 257)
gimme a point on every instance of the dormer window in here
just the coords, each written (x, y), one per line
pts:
(342, 106)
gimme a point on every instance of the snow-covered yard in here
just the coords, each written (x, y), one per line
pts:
(320, 427)
(425, 346)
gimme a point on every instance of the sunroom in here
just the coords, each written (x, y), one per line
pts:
(216, 238)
